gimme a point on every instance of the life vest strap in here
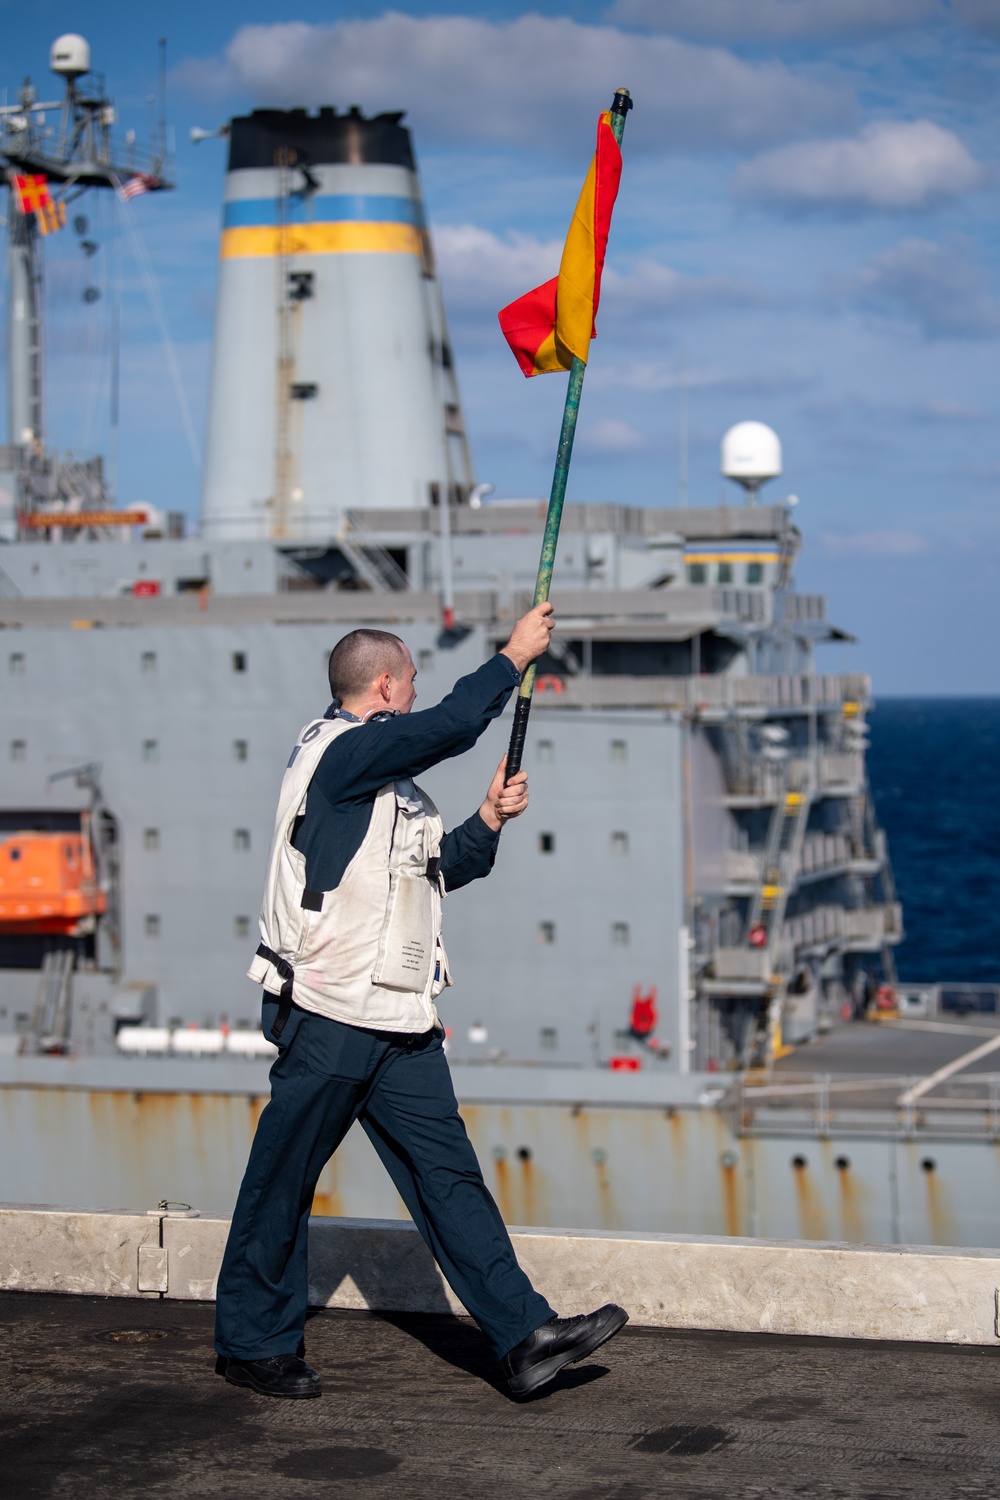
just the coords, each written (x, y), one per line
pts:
(287, 975)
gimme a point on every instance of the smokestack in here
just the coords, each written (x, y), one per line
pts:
(333, 385)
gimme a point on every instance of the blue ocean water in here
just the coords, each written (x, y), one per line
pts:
(934, 766)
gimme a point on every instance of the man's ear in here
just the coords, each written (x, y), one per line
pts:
(385, 687)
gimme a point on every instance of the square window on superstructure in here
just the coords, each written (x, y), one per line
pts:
(241, 749)
(620, 934)
(697, 573)
(151, 925)
(19, 749)
(241, 927)
(725, 573)
(755, 572)
(150, 749)
(619, 843)
(148, 661)
(619, 750)
(545, 751)
(239, 661)
(241, 839)
(546, 932)
(15, 663)
(546, 843)
(151, 839)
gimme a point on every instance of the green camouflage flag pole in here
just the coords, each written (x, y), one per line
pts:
(619, 109)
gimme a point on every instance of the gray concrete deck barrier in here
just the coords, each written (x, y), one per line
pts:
(919, 1293)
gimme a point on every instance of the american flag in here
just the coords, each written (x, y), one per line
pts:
(140, 183)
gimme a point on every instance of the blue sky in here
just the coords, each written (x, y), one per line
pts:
(807, 224)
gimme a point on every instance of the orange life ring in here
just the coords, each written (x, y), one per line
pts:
(550, 683)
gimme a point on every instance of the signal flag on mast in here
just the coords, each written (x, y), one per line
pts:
(31, 193)
(547, 327)
(32, 196)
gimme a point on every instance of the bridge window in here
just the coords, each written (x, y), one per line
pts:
(241, 839)
(546, 932)
(425, 661)
(241, 927)
(15, 663)
(150, 749)
(240, 749)
(545, 751)
(151, 839)
(619, 843)
(725, 574)
(148, 661)
(546, 843)
(19, 749)
(151, 925)
(755, 572)
(620, 934)
(548, 1039)
(697, 573)
(619, 750)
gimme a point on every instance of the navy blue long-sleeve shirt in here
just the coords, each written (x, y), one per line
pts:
(357, 765)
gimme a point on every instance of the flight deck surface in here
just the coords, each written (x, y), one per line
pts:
(104, 1397)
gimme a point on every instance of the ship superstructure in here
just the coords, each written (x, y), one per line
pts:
(702, 853)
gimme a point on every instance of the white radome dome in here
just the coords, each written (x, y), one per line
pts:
(70, 55)
(751, 453)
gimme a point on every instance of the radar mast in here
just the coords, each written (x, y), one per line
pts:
(51, 152)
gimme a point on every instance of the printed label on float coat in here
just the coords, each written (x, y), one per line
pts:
(404, 953)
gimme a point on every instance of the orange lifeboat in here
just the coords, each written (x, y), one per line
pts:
(48, 884)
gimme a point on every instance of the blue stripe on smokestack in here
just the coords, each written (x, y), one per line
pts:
(369, 208)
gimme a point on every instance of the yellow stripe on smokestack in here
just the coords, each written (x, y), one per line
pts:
(345, 237)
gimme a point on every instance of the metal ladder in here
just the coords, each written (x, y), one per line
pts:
(50, 1019)
(779, 866)
(370, 559)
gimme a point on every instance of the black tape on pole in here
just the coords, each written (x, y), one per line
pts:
(518, 731)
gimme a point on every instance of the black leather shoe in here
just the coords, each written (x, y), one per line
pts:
(561, 1341)
(283, 1375)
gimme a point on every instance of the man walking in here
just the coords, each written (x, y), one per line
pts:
(351, 961)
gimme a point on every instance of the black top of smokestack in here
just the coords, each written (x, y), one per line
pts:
(321, 139)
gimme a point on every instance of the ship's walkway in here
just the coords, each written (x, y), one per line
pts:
(103, 1397)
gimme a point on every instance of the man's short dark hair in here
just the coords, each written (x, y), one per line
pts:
(362, 656)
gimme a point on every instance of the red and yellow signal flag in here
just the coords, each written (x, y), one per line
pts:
(31, 193)
(32, 196)
(50, 216)
(547, 327)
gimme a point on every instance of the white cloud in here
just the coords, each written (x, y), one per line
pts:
(739, 19)
(649, 376)
(609, 435)
(891, 165)
(936, 286)
(647, 286)
(855, 410)
(481, 270)
(944, 409)
(534, 81)
(874, 544)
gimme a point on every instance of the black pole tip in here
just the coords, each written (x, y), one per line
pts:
(622, 103)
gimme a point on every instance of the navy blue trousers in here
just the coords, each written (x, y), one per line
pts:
(326, 1076)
